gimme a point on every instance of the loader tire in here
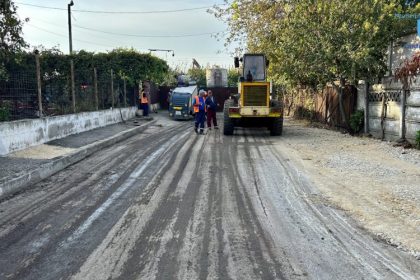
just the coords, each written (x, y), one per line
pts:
(276, 128)
(228, 125)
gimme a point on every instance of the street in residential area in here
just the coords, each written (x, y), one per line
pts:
(170, 204)
(225, 139)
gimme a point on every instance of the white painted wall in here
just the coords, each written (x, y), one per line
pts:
(19, 135)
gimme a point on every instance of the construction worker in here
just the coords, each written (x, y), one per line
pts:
(199, 105)
(211, 106)
(144, 100)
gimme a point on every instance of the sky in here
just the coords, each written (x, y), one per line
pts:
(91, 31)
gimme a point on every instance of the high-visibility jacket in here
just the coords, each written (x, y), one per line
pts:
(197, 104)
(144, 99)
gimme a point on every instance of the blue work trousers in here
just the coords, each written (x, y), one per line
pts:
(145, 107)
(200, 119)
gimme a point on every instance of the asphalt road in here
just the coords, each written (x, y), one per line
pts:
(169, 204)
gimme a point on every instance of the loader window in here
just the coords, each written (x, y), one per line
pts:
(256, 65)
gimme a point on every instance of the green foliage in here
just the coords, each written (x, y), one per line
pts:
(169, 79)
(357, 121)
(315, 42)
(11, 40)
(127, 64)
(4, 112)
(133, 65)
(418, 139)
(198, 75)
(233, 77)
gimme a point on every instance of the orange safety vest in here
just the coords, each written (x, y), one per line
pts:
(144, 99)
(197, 104)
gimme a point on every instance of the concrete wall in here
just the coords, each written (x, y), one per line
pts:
(19, 135)
(412, 115)
(395, 124)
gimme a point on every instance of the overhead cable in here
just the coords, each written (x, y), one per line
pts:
(117, 12)
(149, 36)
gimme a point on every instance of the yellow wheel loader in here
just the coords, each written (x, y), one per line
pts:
(254, 105)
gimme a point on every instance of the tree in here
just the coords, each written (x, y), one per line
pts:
(127, 64)
(11, 40)
(133, 65)
(409, 70)
(198, 75)
(313, 42)
(233, 77)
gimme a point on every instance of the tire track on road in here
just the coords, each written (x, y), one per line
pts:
(321, 219)
(133, 242)
(266, 269)
(57, 233)
(58, 186)
(184, 203)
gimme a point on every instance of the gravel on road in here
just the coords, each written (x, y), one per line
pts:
(374, 181)
(170, 204)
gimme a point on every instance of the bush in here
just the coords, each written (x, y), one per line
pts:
(418, 140)
(4, 113)
(357, 121)
(303, 113)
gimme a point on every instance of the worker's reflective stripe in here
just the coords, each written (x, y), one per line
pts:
(197, 105)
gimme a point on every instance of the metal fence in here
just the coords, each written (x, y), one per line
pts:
(36, 92)
(18, 96)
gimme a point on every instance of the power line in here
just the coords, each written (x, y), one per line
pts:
(65, 36)
(117, 12)
(149, 36)
(132, 35)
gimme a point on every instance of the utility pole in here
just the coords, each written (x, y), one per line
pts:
(38, 81)
(125, 92)
(112, 88)
(95, 84)
(73, 94)
(69, 19)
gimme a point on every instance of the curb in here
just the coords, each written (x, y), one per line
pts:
(9, 186)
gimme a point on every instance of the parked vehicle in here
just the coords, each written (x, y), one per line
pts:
(180, 102)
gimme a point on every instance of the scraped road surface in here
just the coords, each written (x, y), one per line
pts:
(169, 204)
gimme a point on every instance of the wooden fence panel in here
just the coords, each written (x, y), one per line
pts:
(322, 106)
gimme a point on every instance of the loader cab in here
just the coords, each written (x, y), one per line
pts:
(253, 67)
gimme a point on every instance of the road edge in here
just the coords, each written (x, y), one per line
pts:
(10, 186)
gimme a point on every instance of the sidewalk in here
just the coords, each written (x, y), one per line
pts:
(26, 167)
